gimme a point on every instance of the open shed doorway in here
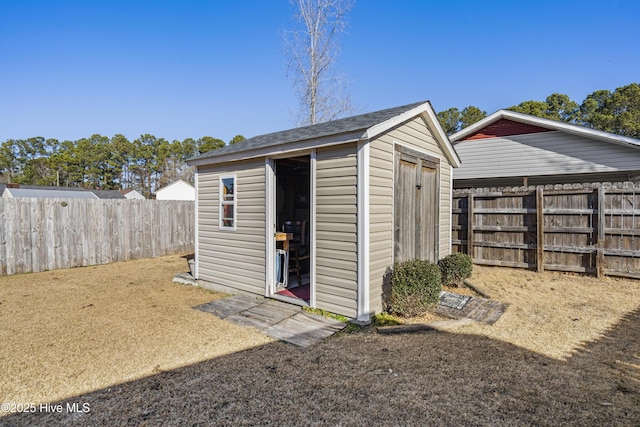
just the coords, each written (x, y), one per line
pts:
(293, 215)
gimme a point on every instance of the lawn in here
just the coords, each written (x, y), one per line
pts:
(68, 332)
(123, 339)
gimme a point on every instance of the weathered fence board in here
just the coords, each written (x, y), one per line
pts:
(590, 228)
(47, 234)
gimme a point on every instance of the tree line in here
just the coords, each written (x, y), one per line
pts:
(99, 162)
(616, 112)
(148, 163)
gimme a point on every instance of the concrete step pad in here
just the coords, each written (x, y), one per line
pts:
(279, 320)
(479, 309)
(304, 329)
(230, 306)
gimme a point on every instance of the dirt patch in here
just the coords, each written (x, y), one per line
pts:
(566, 352)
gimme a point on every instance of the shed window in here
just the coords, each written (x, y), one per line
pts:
(228, 202)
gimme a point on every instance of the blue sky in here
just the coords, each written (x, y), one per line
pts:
(187, 68)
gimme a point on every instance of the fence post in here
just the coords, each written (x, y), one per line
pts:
(540, 228)
(470, 225)
(600, 261)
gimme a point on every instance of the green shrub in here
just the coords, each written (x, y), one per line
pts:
(415, 285)
(455, 268)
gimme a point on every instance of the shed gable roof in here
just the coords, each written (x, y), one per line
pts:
(363, 126)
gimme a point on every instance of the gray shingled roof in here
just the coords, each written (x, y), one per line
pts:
(43, 191)
(320, 130)
(108, 194)
(43, 187)
(56, 194)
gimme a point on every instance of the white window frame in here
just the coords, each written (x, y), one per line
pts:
(222, 203)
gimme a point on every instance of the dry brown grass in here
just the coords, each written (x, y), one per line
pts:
(68, 332)
(566, 352)
(553, 313)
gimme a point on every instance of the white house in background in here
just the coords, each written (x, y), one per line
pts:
(178, 190)
(132, 194)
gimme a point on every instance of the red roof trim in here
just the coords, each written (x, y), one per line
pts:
(505, 127)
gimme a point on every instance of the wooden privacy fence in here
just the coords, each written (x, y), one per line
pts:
(586, 228)
(47, 234)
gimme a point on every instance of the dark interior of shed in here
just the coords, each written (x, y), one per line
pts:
(293, 194)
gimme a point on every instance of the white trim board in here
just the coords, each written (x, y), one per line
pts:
(363, 309)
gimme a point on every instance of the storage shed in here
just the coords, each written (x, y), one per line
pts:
(342, 200)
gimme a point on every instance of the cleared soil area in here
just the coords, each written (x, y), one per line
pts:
(123, 340)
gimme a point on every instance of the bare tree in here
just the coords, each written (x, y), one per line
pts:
(312, 48)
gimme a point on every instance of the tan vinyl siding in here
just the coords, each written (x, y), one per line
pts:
(380, 218)
(234, 259)
(546, 153)
(416, 135)
(336, 230)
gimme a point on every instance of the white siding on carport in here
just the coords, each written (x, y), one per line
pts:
(545, 153)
